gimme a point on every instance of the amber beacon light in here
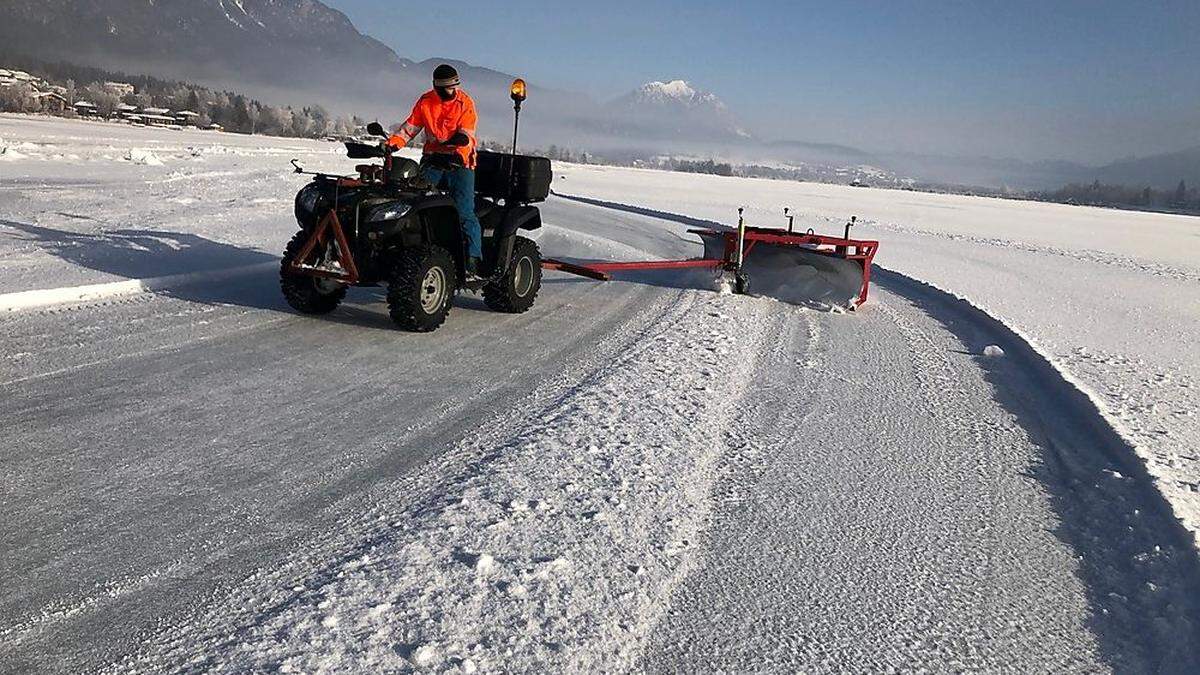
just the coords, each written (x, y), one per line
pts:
(517, 91)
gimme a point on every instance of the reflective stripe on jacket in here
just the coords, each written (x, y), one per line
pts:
(440, 120)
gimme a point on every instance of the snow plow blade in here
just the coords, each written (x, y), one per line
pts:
(815, 270)
(809, 270)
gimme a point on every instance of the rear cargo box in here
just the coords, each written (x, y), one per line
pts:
(530, 177)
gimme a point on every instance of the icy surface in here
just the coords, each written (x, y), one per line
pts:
(637, 475)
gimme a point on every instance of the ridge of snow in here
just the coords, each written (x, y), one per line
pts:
(231, 19)
(47, 297)
(238, 4)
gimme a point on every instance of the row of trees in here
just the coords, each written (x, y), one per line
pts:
(553, 152)
(233, 111)
(705, 166)
(1099, 194)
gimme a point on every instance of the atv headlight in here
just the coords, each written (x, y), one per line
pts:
(388, 212)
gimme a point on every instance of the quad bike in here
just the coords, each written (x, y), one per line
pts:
(388, 226)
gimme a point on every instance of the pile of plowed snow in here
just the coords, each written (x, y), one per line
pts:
(9, 153)
(142, 157)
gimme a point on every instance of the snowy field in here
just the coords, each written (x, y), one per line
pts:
(1112, 298)
(637, 475)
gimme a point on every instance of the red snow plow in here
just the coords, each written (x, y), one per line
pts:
(807, 268)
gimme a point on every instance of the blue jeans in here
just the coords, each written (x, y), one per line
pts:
(460, 181)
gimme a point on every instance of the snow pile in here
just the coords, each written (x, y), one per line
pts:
(993, 351)
(557, 548)
(795, 275)
(142, 157)
(8, 153)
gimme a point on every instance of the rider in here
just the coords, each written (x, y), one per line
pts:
(447, 115)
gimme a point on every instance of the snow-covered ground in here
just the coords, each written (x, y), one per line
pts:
(637, 475)
(1111, 297)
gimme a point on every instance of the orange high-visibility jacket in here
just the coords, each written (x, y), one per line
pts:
(440, 120)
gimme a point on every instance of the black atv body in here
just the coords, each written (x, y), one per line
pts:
(397, 228)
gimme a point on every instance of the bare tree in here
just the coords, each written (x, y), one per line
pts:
(254, 115)
(106, 101)
(18, 98)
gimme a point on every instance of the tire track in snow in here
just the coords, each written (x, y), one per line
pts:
(871, 528)
(63, 615)
(563, 532)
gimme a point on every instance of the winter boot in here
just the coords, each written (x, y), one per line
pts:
(472, 269)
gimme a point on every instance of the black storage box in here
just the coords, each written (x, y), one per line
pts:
(530, 177)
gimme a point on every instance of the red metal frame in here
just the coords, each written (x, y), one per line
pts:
(344, 258)
(859, 250)
(601, 270)
(368, 174)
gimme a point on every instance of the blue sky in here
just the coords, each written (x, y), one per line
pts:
(1083, 80)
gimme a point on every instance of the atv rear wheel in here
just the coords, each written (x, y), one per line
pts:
(421, 288)
(518, 288)
(305, 293)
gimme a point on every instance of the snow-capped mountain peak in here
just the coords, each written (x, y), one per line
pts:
(676, 109)
(674, 88)
(679, 91)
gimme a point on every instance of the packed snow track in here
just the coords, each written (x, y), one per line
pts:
(640, 475)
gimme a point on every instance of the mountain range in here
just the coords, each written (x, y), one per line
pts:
(1161, 171)
(288, 51)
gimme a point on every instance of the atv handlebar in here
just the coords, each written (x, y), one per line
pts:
(356, 149)
(359, 150)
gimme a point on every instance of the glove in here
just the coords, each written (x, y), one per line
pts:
(459, 139)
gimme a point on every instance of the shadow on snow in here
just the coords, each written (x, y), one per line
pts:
(145, 253)
(1138, 563)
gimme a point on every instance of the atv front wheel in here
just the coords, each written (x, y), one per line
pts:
(516, 290)
(305, 293)
(421, 288)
